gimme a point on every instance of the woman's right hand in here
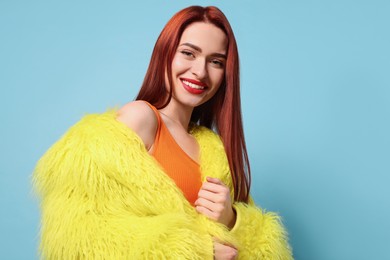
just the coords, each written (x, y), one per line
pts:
(224, 252)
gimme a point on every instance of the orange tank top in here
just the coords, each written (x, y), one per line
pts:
(178, 165)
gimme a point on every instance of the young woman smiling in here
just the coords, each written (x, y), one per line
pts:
(167, 176)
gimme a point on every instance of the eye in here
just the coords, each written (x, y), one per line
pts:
(217, 63)
(187, 53)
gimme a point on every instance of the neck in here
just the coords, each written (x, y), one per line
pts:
(179, 113)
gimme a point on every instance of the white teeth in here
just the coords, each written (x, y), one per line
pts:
(192, 85)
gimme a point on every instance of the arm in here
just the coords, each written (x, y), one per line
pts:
(101, 199)
(259, 234)
(215, 203)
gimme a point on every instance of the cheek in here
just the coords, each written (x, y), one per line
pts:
(218, 77)
(179, 65)
(217, 81)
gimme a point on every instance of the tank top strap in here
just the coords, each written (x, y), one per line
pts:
(156, 140)
(155, 112)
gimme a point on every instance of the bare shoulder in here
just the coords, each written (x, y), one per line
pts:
(138, 116)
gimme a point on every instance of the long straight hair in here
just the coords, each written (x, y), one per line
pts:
(223, 111)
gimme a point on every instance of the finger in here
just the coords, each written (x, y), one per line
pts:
(224, 252)
(205, 211)
(214, 180)
(206, 204)
(215, 188)
(211, 196)
(212, 186)
(219, 241)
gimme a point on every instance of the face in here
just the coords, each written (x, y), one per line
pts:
(198, 67)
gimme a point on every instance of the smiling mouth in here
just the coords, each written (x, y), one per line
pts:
(193, 85)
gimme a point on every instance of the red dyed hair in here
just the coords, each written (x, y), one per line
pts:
(223, 111)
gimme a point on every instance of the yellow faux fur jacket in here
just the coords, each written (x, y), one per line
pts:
(104, 197)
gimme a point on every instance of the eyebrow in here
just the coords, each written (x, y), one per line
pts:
(197, 48)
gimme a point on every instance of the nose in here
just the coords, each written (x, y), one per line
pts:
(199, 68)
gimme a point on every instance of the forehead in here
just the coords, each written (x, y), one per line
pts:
(207, 36)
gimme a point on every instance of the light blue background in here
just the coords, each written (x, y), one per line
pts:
(315, 94)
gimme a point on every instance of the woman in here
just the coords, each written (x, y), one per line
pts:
(152, 181)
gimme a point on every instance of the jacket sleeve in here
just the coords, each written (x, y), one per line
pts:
(260, 235)
(94, 206)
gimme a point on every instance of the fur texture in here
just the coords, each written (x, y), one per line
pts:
(104, 197)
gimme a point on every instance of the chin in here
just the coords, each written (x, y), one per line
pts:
(190, 102)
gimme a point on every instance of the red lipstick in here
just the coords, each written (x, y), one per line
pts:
(191, 89)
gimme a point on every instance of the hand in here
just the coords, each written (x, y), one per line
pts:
(214, 202)
(224, 252)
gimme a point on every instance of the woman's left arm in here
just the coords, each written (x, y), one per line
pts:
(260, 234)
(214, 202)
